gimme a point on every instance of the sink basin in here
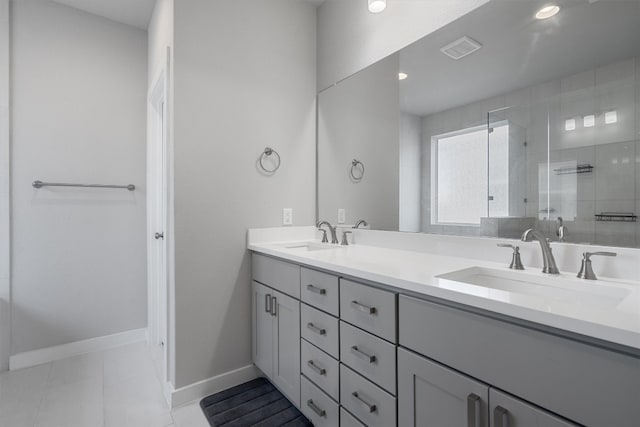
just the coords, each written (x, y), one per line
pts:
(309, 246)
(557, 288)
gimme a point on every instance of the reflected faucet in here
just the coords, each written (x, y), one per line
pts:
(561, 232)
(361, 222)
(549, 261)
(332, 230)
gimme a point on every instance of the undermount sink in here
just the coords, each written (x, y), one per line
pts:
(310, 246)
(551, 287)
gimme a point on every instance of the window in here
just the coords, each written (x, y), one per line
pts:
(468, 168)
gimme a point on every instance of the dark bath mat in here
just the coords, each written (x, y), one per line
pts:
(256, 403)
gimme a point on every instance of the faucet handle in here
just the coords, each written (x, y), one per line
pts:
(586, 270)
(516, 262)
(588, 255)
(345, 242)
(324, 235)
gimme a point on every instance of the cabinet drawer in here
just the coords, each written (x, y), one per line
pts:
(365, 400)
(317, 406)
(581, 382)
(319, 290)
(320, 329)
(320, 368)
(369, 355)
(277, 274)
(348, 420)
(371, 309)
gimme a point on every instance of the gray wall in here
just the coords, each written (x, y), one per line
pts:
(244, 79)
(350, 38)
(358, 119)
(5, 288)
(78, 100)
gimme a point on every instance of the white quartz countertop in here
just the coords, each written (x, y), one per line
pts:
(416, 273)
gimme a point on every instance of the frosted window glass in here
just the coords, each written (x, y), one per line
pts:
(462, 186)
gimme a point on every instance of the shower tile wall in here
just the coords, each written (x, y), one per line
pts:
(612, 149)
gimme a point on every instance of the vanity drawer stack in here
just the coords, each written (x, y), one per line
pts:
(348, 352)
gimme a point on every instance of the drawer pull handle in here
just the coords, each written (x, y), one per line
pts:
(473, 410)
(370, 407)
(501, 417)
(319, 412)
(363, 308)
(362, 355)
(318, 370)
(267, 303)
(315, 329)
(316, 290)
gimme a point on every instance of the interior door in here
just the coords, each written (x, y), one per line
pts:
(262, 330)
(431, 395)
(286, 351)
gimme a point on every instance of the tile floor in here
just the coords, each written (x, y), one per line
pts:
(120, 387)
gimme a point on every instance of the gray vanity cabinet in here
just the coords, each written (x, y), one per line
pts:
(431, 395)
(507, 411)
(276, 338)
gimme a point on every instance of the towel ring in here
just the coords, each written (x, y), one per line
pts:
(267, 153)
(355, 173)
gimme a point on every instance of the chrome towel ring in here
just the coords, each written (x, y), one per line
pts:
(357, 170)
(267, 153)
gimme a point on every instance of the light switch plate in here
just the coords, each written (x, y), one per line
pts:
(341, 216)
(287, 216)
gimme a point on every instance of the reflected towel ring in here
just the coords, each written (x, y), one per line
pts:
(355, 169)
(267, 153)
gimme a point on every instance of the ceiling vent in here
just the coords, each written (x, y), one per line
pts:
(460, 48)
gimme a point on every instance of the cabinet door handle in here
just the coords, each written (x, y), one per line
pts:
(318, 370)
(319, 412)
(362, 355)
(316, 290)
(363, 308)
(267, 303)
(274, 304)
(370, 407)
(315, 329)
(473, 410)
(500, 417)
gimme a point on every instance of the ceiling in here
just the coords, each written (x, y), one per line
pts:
(131, 12)
(518, 51)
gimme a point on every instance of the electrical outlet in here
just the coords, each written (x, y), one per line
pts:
(341, 216)
(287, 216)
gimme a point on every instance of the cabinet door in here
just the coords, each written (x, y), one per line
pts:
(286, 346)
(262, 328)
(431, 395)
(507, 411)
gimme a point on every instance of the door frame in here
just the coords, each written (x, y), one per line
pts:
(160, 215)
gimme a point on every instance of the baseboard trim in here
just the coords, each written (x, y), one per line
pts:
(209, 386)
(49, 354)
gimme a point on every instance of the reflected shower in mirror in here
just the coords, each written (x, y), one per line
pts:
(495, 123)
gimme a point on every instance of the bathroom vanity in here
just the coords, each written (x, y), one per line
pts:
(365, 335)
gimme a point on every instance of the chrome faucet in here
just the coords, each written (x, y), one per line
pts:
(561, 232)
(549, 261)
(361, 222)
(332, 230)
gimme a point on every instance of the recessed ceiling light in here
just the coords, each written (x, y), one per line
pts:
(611, 117)
(570, 124)
(402, 76)
(547, 12)
(377, 6)
(589, 121)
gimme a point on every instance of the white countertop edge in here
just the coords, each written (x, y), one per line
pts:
(602, 332)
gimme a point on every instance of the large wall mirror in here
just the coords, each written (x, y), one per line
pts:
(496, 123)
